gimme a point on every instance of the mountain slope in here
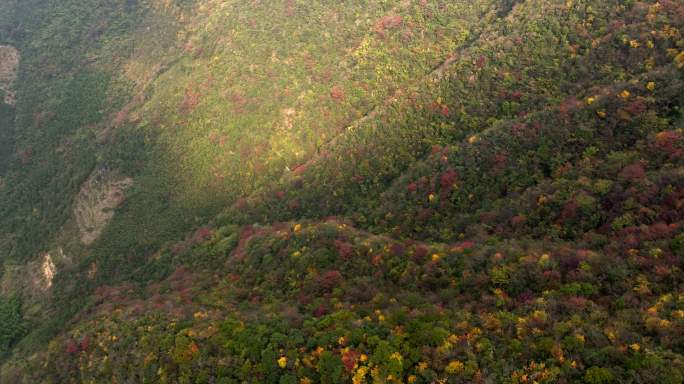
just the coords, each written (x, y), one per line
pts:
(415, 191)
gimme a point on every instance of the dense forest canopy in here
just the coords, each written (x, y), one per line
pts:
(367, 191)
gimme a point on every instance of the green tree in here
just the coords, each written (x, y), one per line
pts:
(11, 323)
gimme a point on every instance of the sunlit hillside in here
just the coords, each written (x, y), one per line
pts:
(365, 191)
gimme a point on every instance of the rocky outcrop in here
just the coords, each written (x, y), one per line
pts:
(9, 65)
(32, 280)
(95, 204)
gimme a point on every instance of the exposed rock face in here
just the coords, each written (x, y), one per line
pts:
(33, 279)
(9, 65)
(47, 271)
(95, 203)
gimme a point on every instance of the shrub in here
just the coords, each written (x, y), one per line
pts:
(330, 368)
(598, 375)
(677, 244)
(633, 172)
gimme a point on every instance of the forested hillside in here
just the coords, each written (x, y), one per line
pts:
(367, 191)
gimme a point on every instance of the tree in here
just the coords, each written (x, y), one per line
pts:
(11, 323)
